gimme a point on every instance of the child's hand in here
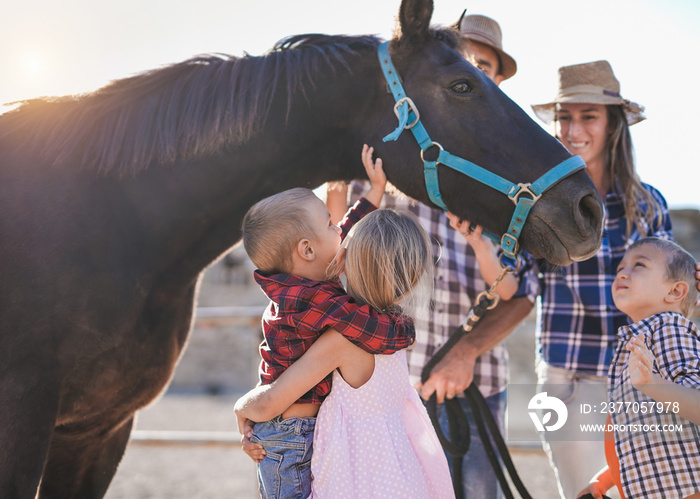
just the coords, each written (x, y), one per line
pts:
(255, 451)
(641, 363)
(595, 490)
(599, 485)
(376, 175)
(337, 200)
(337, 187)
(243, 422)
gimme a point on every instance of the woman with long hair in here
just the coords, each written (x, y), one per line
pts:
(577, 319)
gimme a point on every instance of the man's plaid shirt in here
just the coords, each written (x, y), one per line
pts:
(457, 283)
(661, 463)
(302, 309)
(577, 321)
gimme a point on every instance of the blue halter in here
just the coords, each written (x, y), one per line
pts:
(523, 195)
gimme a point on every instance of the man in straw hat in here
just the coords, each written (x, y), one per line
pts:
(481, 356)
(577, 319)
(483, 47)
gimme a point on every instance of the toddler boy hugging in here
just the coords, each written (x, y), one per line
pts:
(655, 286)
(292, 241)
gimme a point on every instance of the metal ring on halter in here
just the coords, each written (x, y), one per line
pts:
(524, 189)
(411, 106)
(436, 144)
(518, 262)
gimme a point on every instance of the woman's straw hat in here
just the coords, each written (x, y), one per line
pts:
(485, 30)
(589, 83)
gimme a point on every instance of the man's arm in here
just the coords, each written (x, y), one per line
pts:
(455, 372)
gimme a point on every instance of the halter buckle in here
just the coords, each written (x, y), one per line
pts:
(509, 244)
(412, 107)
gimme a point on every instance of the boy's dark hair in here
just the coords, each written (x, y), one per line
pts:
(680, 266)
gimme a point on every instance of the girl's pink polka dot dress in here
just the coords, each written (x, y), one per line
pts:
(377, 441)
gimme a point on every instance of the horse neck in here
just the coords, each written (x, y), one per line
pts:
(191, 214)
(195, 209)
(183, 217)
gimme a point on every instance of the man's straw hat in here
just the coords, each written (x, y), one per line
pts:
(487, 31)
(589, 83)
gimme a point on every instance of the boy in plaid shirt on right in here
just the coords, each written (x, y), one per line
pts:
(652, 456)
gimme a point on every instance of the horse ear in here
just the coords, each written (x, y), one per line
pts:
(456, 26)
(414, 20)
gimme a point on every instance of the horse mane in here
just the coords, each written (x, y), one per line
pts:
(179, 111)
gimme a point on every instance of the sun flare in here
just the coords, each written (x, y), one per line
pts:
(33, 66)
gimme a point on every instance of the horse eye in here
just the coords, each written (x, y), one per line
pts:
(460, 88)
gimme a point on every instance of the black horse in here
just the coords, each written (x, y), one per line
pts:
(113, 203)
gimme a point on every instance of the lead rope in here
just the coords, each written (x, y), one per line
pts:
(458, 443)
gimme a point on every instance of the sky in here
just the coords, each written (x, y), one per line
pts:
(50, 47)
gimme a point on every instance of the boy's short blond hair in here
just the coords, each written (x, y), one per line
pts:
(273, 227)
(680, 266)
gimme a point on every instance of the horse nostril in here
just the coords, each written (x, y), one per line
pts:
(590, 214)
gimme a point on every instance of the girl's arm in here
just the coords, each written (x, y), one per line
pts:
(337, 200)
(660, 389)
(330, 351)
(489, 266)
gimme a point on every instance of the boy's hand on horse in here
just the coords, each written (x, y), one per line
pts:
(376, 175)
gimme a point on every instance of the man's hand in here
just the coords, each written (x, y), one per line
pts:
(455, 372)
(452, 375)
(472, 233)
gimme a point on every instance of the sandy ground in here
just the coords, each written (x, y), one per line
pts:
(204, 470)
(180, 470)
(199, 470)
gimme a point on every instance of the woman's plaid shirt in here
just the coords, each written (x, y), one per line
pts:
(657, 463)
(577, 321)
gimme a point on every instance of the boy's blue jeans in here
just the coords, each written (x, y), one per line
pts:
(286, 470)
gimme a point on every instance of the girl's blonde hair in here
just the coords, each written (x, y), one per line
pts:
(387, 256)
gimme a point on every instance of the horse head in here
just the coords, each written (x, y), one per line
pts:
(472, 118)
